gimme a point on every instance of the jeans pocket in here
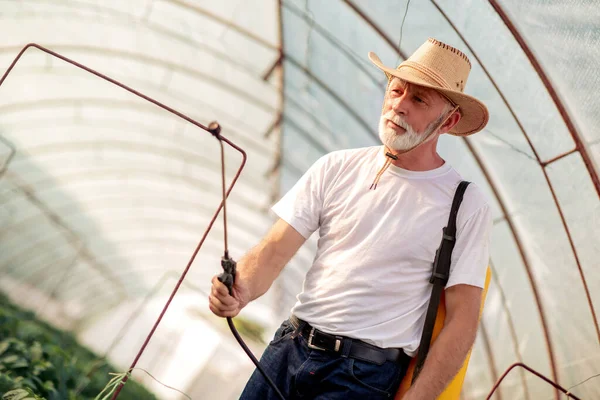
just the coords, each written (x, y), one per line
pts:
(284, 331)
(380, 379)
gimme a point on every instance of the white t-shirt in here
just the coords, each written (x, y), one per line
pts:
(370, 276)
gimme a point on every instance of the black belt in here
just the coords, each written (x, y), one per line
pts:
(360, 350)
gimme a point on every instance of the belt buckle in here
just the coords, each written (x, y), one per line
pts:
(311, 336)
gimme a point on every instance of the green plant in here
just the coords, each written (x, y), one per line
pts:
(20, 394)
(38, 361)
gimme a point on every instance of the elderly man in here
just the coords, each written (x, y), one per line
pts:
(380, 213)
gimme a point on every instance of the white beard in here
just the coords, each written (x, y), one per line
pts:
(407, 140)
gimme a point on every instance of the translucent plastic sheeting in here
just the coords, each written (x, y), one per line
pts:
(104, 182)
(564, 36)
(84, 150)
(107, 195)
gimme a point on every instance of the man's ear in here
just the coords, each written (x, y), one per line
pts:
(451, 122)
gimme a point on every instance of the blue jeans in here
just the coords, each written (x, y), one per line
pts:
(303, 373)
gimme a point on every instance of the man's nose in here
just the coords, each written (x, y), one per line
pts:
(400, 104)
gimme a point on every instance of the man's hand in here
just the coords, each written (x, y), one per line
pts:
(256, 271)
(222, 304)
(449, 351)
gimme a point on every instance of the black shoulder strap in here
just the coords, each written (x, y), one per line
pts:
(439, 276)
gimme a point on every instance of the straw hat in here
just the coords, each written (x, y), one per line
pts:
(443, 68)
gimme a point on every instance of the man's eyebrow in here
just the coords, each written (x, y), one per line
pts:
(428, 94)
(422, 92)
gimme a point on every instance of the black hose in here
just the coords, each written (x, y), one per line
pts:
(227, 278)
(252, 357)
(229, 266)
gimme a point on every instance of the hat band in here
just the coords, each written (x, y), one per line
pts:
(437, 79)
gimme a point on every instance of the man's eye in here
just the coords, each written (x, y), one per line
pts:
(419, 100)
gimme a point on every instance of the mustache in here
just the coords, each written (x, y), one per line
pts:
(396, 119)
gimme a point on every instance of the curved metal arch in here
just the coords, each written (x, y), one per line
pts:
(490, 354)
(196, 10)
(193, 160)
(182, 227)
(13, 226)
(85, 177)
(309, 115)
(76, 104)
(226, 189)
(352, 57)
(224, 22)
(579, 143)
(344, 105)
(109, 124)
(375, 27)
(511, 327)
(145, 108)
(287, 57)
(48, 240)
(93, 282)
(134, 147)
(143, 58)
(138, 310)
(36, 269)
(56, 219)
(543, 165)
(12, 150)
(313, 142)
(29, 245)
(117, 104)
(134, 286)
(223, 57)
(320, 83)
(73, 290)
(83, 286)
(522, 253)
(27, 248)
(24, 223)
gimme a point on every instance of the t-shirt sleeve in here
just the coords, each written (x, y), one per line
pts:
(302, 205)
(471, 253)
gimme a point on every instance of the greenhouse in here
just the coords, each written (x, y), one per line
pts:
(111, 185)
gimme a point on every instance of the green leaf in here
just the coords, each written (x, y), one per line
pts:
(15, 361)
(4, 345)
(18, 394)
(49, 386)
(36, 351)
(20, 363)
(6, 383)
(41, 366)
(49, 364)
(9, 359)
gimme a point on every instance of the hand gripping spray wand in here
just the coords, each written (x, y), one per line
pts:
(229, 265)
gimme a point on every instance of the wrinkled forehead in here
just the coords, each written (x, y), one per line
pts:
(396, 83)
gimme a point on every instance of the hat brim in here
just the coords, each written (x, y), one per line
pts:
(474, 114)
